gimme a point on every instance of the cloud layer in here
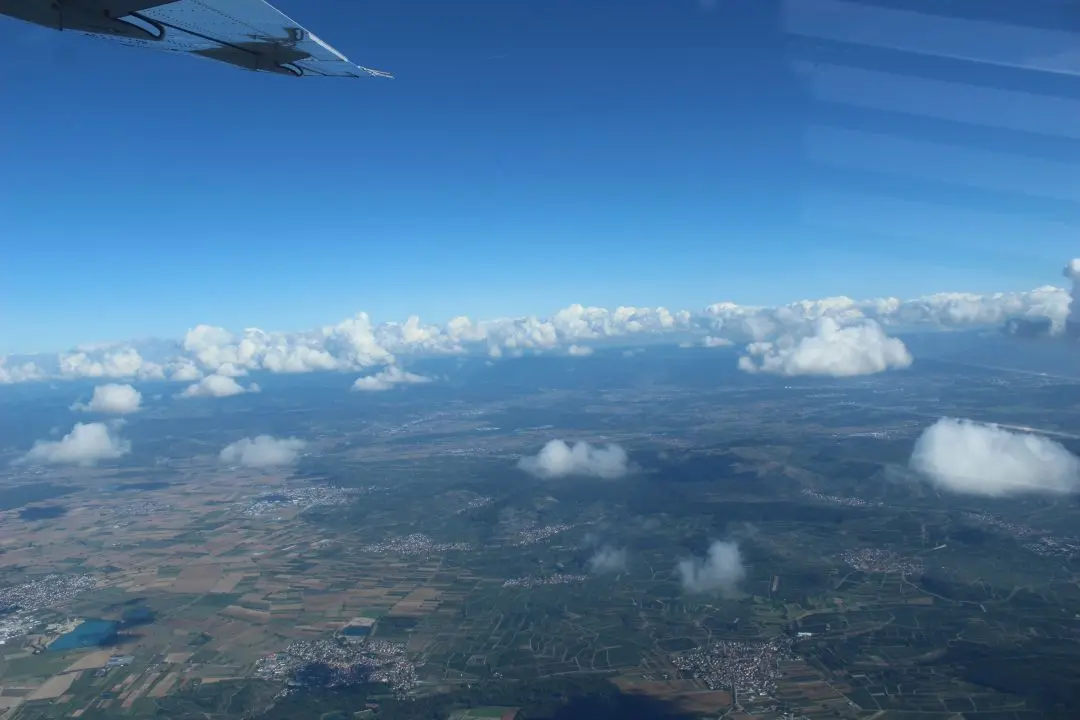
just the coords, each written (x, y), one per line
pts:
(87, 444)
(967, 457)
(558, 459)
(831, 349)
(262, 451)
(357, 344)
(719, 572)
(112, 399)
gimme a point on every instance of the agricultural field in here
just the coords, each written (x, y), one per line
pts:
(408, 565)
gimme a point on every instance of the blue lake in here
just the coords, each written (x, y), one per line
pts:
(91, 633)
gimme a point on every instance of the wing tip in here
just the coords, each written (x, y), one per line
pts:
(376, 73)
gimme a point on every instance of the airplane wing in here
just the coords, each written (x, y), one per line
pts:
(250, 34)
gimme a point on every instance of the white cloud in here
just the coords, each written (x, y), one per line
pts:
(262, 451)
(231, 370)
(387, 378)
(110, 363)
(972, 458)
(349, 344)
(744, 323)
(358, 344)
(217, 386)
(720, 571)
(112, 399)
(1072, 271)
(557, 459)
(833, 350)
(86, 444)
(15, 372)
(608, 559)
(184, 371)
(579, 350)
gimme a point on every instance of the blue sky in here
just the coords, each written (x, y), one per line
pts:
(528, 155)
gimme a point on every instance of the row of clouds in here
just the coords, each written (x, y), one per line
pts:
(958, 455)
(89, 444)
(838, 336)
(125, 399)
(719, 572)
(954, 454)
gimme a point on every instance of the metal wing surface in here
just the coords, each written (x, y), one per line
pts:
(250, 34)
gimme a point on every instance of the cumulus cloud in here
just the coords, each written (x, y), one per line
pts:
(112, 399)
(832, 350)
(1072, 271)
(109, 363)
(719, 572)
(217, 386)
(349, 344)
(262, 451)
(1029, 328)
(973, 458)
(185, 371)
(389, 377)
(579, 350)
(558, 459)
(357, 344)
(86, 444)
(13, 371)
(231, 370)
(607, 560)
(744, 323)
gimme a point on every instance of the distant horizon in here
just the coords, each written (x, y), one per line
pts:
(92, 345)
(666, 153)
